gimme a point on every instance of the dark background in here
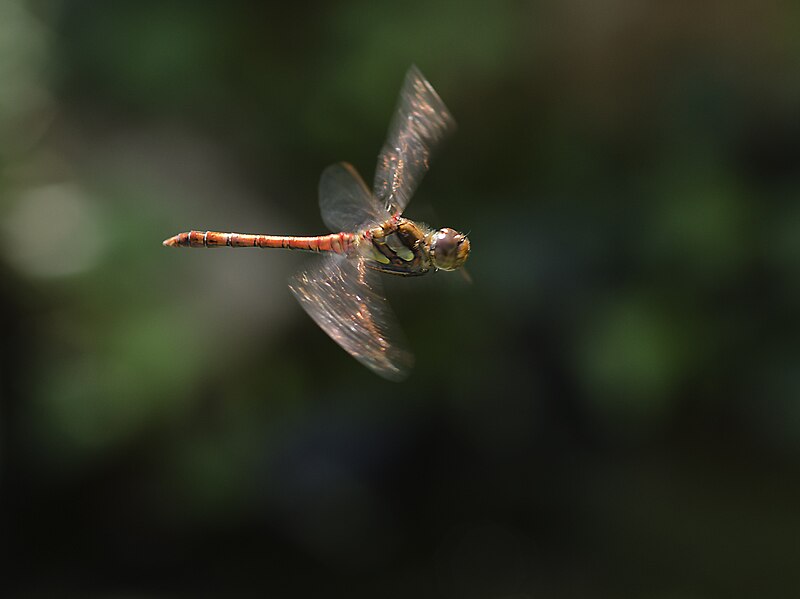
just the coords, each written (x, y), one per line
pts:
(611, 409)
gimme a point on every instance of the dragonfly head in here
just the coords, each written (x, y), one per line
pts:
(449, 249)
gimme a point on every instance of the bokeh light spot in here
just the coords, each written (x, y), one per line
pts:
(53, 231)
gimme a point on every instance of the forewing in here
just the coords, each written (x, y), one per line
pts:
(344, 200)
(420, 123)
(345, 298)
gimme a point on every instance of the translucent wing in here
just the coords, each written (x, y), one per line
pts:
(420, 122)
(344, 200)
(346, 299)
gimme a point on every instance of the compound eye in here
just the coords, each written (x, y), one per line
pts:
(445, 249)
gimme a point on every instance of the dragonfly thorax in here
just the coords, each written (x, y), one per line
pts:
(397, 246)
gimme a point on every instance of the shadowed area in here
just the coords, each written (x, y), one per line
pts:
(610, 408)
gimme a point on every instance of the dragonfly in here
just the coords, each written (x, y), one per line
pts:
(343, 292)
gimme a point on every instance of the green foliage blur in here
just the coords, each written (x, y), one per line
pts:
(610, 409)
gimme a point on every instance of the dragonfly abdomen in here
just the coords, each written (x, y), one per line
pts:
(340, 243)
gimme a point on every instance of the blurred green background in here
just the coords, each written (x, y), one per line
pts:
(611, 409)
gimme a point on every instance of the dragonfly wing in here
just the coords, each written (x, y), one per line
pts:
(420, 123)
(345, 201)
(345, 298)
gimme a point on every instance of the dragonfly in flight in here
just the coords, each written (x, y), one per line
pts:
(343, 291)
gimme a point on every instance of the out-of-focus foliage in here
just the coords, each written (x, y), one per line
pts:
(611, 408)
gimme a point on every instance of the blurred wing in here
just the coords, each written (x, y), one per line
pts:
(420, 122)
(345, 298)
(344, 200)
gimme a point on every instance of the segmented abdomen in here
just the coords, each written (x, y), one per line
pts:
(340, 243)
